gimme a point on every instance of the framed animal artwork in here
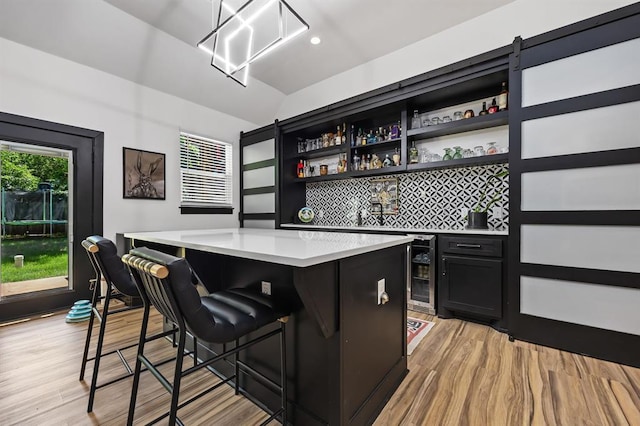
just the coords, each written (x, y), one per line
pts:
(143, 174)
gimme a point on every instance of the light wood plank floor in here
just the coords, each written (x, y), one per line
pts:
(460, 374)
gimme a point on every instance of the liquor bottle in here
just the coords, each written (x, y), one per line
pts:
(494, 107)
(395, 131)
(396, 157)
(371, 137)
(344, 132)
(307, 169)
(352, 136)
(359, 139)
(300, 171)
(367, 162)
(338, 136)
(413, 153)
(387, 161)
(503, 97)
(356, 160)
(415, 120)
(484, 111)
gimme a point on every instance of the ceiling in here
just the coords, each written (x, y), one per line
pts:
(153, 42)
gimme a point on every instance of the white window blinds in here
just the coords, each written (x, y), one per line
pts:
(205, 172)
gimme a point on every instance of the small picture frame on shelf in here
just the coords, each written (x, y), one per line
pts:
(143, 174)
(384, 193)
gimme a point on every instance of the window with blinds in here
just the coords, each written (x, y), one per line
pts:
(205, 172)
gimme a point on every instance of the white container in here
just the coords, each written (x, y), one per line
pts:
(18, 260)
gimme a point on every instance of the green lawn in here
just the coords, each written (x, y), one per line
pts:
(43, 257)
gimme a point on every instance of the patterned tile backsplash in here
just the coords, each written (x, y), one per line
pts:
(431, 199)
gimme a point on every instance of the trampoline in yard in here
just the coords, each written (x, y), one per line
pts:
(34, 213)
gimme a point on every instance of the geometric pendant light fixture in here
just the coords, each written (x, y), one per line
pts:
(245, 31)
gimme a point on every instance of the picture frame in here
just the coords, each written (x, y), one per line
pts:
(385, 192)
(143, 174)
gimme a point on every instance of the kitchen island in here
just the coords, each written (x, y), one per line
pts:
(347, 335)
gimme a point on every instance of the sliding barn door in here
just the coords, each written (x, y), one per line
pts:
(258, 180)
(575, 158)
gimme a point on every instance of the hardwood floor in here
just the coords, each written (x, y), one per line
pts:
(460, 374)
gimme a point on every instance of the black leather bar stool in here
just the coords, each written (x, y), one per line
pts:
(106, 263)
(220, 317)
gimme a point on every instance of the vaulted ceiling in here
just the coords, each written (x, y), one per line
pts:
(153, 42)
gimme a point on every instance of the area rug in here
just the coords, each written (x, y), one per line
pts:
(416, 330)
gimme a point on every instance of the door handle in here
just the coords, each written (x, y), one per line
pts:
(462, 245)
(444, 266)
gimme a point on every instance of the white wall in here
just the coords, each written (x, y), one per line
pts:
(43, 86)
(495, 29)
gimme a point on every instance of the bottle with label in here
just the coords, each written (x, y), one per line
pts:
(413, 153)
(300, 170)
(307, 169)
(396, 158)
(387, 161)
(494, 107)
(338, 137)
(359, 139)
(344, 132)
(484, 111)
(415, 120)
(352, 136)
(503, 97)
(367, 162)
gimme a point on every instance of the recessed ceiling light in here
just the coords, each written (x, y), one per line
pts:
(315, 40)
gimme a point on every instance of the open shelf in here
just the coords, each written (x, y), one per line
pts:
(355, 174)
(462, 162)
(321, 152)
(384, 144)
(460, 126)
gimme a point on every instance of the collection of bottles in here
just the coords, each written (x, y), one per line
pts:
(304, 169)
(499, 103)
(372, 161)
(325, 140)
(382, 134)
(393, 131)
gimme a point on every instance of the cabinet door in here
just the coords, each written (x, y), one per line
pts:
(472, 285)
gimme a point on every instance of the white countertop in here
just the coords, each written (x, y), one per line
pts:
(288, 247)
(390, 229)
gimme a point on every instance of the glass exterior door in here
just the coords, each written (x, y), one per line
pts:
(36, 239)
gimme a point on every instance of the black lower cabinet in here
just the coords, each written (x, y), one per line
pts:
(472, 277)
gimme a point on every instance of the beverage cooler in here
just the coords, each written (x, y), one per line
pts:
(421, 280)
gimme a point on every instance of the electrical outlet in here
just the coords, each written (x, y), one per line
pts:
(266, 288)
(381, 289)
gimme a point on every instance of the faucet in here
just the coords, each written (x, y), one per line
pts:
(381, 217)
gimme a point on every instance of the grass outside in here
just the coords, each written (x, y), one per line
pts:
(43, 257)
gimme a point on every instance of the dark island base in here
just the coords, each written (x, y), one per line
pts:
(346, 354)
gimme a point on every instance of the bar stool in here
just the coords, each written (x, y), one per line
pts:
(106, 263)
(220, 317)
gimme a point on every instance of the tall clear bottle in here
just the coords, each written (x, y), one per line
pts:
(415, 120)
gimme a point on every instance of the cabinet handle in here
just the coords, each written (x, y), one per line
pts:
(444, 266)
(462, 245)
